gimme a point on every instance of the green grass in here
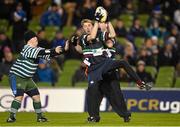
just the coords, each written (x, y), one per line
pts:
(107, 119)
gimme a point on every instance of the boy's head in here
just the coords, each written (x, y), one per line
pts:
(31, 38)
(87, 25)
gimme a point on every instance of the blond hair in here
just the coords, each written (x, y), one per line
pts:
(86, 21)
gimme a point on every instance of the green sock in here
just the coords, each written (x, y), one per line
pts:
(37, 108)
(15, 105)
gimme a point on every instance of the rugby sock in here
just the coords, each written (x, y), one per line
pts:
(37, 108)
(15, 105)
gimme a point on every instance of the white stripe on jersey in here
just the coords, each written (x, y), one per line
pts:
(25, 61)
(25, 70)
(14, 72)
(30, 52)
(22, 73)
(104, 33)
(22, 64)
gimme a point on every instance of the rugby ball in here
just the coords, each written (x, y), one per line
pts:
(103, 12)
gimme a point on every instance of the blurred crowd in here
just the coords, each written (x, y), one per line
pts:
(159, 36)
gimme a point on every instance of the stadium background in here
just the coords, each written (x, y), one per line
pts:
(148, 37)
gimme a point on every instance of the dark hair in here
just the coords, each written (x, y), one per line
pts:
(28, 35)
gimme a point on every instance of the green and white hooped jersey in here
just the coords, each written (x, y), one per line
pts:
(27, 63)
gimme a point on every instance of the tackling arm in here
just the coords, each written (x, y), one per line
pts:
(47, 53)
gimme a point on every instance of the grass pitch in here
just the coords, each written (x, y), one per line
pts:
(79, 119)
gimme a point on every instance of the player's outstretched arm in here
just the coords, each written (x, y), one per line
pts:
(47, 53)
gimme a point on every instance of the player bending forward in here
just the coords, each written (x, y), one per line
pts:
(22, 71)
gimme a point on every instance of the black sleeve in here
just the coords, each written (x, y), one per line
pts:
(47, 52)
(83, 40)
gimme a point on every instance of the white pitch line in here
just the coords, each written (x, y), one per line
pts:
(89, 126)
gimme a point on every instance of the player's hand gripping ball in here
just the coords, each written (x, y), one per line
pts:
(101, 14)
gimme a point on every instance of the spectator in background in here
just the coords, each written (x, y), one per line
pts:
(19, 27)
(70, 9)
(154, 30)
(131, 7)
(4, 42)
(169, 7)
(146, 6)
(86, 10)
(175, 33)
(52, 17)
(120, 29)
(60, 41)
(155, 45)
(177, 17)
(167, 56)
(113, 9)
(158, 16)
(7, 62)
(147, 58)
(27, 7)
(151, 44)
(137, 30)
(45, 73)
(38, 7)
(6, 8)
(172, 40)
(140, 70)
(42, 41)
(129, 54)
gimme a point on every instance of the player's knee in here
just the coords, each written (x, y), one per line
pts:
(36, 98)
(19, 98)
